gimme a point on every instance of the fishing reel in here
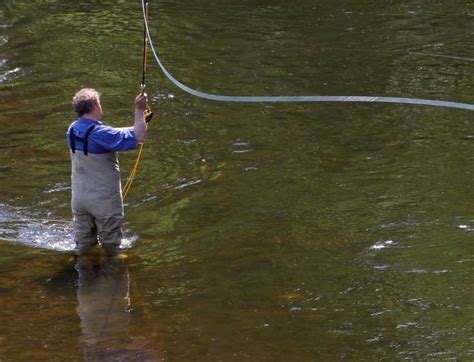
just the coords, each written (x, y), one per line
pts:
(148, 114)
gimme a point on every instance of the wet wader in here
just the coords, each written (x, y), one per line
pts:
(97, 204)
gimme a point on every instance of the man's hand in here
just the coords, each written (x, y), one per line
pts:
(139, 126)
(141, 102)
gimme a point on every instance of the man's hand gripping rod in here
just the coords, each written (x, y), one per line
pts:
(148, 114)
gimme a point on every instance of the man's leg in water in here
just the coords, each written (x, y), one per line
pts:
(85, 232)
(110, 233)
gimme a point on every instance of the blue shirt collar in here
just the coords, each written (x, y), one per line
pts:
(90, 120)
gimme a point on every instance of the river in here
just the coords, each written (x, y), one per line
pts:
(260, 232)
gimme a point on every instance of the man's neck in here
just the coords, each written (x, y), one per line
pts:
(92, 116)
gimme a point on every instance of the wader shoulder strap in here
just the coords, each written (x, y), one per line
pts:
(73, 138)
(86, 136)
(72, 143)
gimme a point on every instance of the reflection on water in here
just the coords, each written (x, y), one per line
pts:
(104, 304)
(104, 307)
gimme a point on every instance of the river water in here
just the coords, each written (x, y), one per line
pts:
(262, 232)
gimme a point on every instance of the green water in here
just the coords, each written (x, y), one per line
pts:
(263, 232)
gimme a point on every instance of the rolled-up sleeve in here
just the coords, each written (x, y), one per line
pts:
(115, 139)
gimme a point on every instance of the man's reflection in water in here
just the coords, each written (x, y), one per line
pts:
(104, 309)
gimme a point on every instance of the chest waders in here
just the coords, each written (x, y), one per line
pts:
(97, 204)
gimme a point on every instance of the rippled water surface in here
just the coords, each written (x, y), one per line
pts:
(255, 232)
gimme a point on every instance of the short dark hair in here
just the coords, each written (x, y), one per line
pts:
(85, 100)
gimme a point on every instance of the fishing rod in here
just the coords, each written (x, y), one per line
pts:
(148, 114)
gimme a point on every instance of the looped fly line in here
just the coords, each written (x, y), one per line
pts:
(286, 99)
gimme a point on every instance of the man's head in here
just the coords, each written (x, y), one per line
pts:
(87, 101)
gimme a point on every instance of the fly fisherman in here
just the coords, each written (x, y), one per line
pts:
(97, 203)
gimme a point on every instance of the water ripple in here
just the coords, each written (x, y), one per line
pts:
(21, 227)
(185, 184)
(466, 228)
(18, 227)
(241, 146)
(382, 245)
(5, 76)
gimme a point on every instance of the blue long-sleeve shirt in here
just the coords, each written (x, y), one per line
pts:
(102, 139)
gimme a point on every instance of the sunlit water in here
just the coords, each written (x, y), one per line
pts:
(40, 231)
(255, 232)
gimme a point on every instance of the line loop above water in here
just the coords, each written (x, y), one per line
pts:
(288, 99)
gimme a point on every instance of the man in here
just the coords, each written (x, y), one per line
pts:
(97, 203)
